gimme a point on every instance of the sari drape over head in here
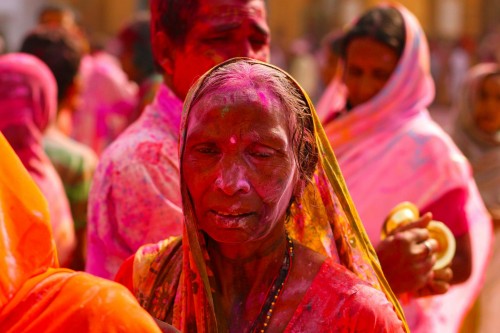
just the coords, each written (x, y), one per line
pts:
(173, 279)
(481, 148)
(390, 150)
(109, 102)
(36, 295)
(28, 103)
(483, 151)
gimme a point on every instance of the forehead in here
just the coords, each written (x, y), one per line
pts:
(241, 93)
(367, 48)
(235, 104)
(229, 11)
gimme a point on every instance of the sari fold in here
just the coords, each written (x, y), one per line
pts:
(36, 295)
(483, 151)
(28, 103)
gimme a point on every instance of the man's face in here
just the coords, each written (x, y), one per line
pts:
(220, 30)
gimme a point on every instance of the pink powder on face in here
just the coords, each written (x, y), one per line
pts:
(232, 140)
(232, 13)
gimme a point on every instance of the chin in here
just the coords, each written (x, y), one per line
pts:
(229, 236)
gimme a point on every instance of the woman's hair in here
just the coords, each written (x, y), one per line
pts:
(173, 17)
(59, 50)
(258, 76)
(136, 37)
(384, 24)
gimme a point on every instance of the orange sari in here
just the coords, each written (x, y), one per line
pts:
(36, 295)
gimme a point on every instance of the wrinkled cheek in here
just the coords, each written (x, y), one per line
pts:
(277, 194)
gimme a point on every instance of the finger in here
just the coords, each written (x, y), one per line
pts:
(439, 287)
(432, 289)
(424, 267)
(445, 274)
(421, 273)
(423, 292)
(422, 222)
(415, 235)
(426, 249)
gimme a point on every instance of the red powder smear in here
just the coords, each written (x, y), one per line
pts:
(229, 12)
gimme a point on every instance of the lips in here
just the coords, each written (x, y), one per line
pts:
(231, 219)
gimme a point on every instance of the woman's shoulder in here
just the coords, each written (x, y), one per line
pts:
(341, 280)
(148, 259)
(345, 302)
(156, 254)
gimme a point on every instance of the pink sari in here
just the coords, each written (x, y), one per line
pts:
(390, 151)
(28, 97)
(108, 102)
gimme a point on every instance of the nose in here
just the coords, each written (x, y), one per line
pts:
(232, 179)
(367, 89)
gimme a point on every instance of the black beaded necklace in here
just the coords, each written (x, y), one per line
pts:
(261, 323)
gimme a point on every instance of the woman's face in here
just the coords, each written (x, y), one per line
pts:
(238, 164)
(487, 111)
(369, 65)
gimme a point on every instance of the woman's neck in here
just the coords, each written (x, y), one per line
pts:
(245, 273)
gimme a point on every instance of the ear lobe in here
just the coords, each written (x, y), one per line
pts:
(163, 50)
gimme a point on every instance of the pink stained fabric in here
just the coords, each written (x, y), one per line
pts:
(390, 151)
(108, 102)
(28, 102)
(135, 196)
(338, 301)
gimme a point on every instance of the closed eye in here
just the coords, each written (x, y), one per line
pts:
(206, 149)
(262, 152)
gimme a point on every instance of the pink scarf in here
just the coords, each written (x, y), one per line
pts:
(109, 102)
(390, 151)
(28, 103)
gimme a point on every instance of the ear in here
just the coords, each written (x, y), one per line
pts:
(163, 50)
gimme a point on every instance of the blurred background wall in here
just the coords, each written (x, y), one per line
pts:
(470, 26)
(289, 19)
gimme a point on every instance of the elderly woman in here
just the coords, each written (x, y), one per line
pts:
(477, 134)
(391, 151)
(28, 103)
(250, 146)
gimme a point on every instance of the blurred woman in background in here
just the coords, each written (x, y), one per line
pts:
(477, 134)
(28, 103)
(391, 151)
